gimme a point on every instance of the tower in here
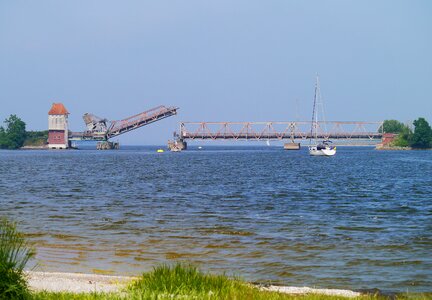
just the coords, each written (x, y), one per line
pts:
(58, 129)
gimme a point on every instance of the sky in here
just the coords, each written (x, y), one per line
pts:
(222, 60)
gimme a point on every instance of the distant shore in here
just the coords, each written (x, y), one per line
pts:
(397, 148)
(44, 147)
(381, 147)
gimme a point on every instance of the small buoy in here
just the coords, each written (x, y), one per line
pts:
(199, 147)
(160, 150)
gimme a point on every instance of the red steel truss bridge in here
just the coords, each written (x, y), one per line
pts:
(100, 129)
(344, 132)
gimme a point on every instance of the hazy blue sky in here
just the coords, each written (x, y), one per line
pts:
(217, 60)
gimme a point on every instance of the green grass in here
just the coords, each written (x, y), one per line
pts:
(234, 296)
(142, 296)
(181, 280)
(14, 255)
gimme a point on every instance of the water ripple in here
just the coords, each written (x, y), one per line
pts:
(361, 219)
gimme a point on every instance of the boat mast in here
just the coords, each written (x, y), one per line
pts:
(314, 115)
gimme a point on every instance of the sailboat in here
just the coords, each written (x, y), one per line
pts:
(323, 148)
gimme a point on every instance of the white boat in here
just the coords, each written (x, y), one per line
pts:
(323, 148)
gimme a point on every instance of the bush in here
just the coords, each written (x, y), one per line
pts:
(403, 138)
(36, 138)
(181, 279)
(14, 255)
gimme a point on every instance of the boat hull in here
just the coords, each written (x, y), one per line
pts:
(322, 152)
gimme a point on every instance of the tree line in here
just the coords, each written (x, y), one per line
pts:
(417, 137)
(14, 135)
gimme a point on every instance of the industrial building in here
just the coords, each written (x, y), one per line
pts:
(58, 127)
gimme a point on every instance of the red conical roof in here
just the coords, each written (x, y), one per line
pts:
(58, 109)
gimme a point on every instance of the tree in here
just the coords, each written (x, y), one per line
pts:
(3, 143)
(14, 135)
(422, 136)
(392, 126)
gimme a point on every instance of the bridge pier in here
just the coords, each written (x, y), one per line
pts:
(177, 145)
(107, 145)
(292, 146)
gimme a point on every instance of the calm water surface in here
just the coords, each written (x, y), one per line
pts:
(361, 219)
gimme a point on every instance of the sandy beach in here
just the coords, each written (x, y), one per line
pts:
(86, 283)
(76, 282)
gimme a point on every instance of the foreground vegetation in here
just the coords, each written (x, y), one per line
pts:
(14, 255)
(256, 294)
(419, 138)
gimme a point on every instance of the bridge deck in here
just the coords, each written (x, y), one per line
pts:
(139, 120)
(119, 127)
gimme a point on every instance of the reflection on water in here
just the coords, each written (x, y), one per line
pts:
(360, 219)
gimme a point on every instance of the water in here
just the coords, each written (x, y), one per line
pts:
(361, 219)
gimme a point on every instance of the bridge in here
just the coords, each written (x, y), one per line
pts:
(347, 131)
(99, 129)
(341, 132)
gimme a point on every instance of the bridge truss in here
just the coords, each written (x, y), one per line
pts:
(344, 132)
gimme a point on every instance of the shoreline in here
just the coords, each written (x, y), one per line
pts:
(90, 283)
(30, 147)
(397, 148)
